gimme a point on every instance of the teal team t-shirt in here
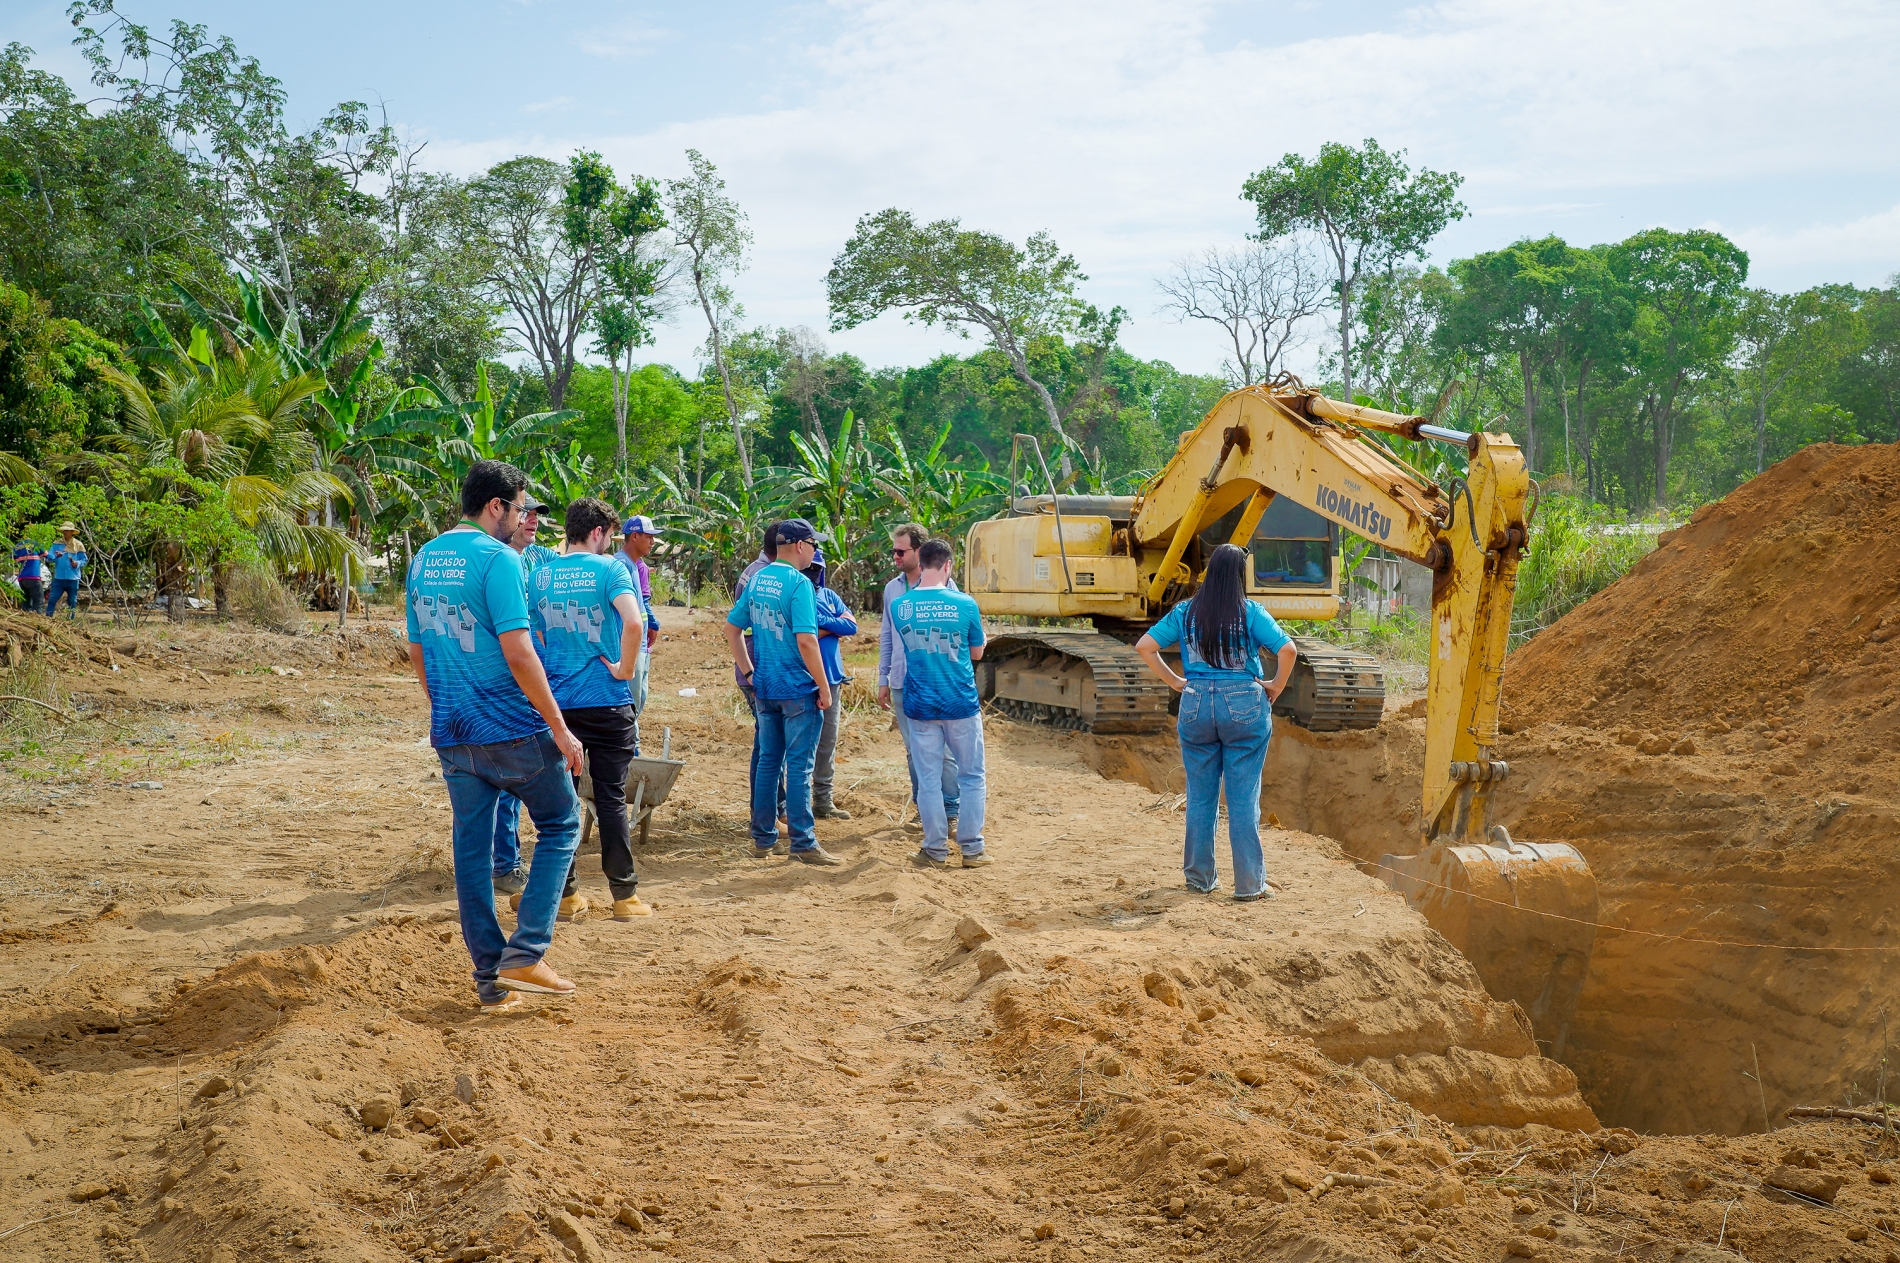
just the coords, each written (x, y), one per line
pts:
(534, 556)
(938, 628)
(572, 605)
(778, 604)
(465, 590)
(1262, 633)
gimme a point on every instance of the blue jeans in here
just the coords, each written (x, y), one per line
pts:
(788, 746)
(531, 769)
(507, 834)
(938, 743)
(752, 769)
(946, 776)
(68, 588)
(1224, 726)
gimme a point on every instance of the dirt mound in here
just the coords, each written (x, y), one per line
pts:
(1772, 613)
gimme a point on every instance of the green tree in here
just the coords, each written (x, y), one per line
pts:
(710, 230)
(436, 314)
(542, 229)
(292, 210)
(53, 398)
(1781, 338)
(1514, 302)
(634, 281)
(1369, 208)
(943, 274)
(1685, 286)
(96, 209)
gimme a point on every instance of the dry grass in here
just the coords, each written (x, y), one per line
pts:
(263, 599)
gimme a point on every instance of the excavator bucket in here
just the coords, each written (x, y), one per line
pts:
(1523, 913)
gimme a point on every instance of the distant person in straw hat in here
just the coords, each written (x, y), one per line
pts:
(68, 558)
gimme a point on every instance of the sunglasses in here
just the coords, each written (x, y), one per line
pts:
(899, 552)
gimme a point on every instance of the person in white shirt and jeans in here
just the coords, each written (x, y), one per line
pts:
(906, 539)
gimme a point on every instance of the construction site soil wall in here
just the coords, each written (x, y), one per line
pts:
(1716, 734)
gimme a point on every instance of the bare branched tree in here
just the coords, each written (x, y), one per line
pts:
(807, 376)
(1259, 294)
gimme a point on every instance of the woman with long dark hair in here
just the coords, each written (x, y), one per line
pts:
(1226, 715)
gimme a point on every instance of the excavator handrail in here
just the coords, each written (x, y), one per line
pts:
(1055, 500)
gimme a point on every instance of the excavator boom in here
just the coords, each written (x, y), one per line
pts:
(1263, 443)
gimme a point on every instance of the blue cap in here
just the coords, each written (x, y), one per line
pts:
(797, 530)
(639, 524)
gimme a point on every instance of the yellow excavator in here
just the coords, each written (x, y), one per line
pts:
(1282, 470)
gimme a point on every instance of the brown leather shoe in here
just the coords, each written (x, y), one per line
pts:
(537, 979)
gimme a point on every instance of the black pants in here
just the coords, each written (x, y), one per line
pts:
(608, 735)
(31, 597)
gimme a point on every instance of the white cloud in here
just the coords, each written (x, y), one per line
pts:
(623, 39)
(1870, 240)
(1122, 127)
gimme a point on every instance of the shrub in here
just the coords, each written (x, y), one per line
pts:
(1577, 550)
(264, 599)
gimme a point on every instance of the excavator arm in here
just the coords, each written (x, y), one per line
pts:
(1523, 913)
(1259, 443)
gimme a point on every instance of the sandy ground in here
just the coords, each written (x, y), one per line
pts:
(240, 1025)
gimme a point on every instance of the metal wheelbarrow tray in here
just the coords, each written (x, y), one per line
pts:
(649, 781)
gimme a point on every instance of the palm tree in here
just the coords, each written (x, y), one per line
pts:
(235, 421)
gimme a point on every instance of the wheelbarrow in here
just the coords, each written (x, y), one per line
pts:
(649, 781)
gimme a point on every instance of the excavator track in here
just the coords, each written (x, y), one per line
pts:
(1074, 680)
(1333, 689)
(1081, 681)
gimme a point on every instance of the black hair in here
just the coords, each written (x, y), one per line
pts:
(490, 480)
(933, 553)
(1217, 615)
(770, 547)
(586, 515)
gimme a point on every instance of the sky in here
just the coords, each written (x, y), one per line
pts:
(1126, 127)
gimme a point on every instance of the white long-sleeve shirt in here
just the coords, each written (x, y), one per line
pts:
(890, 650)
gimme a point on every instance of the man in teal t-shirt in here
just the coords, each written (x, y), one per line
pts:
(938, 631)
(592, 632)
(787, 675)
(495, 727)
(508, 875)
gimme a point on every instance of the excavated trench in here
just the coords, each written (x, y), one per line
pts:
(1718, 734)
(1668, 1029)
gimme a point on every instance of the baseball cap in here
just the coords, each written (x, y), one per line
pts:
(797, 530)
(639, 524)
(534, 504)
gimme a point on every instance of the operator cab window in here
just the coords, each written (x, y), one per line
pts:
(1282, 561)
(1292, 547)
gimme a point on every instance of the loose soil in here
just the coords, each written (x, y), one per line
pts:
(240, 1026)
(1717, 734)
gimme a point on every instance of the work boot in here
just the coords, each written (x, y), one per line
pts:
(512, 882)
(630, 908)
(924, 859)
(571, 907)
(538, 979)
(827, 810)
(980, 860)
(950, 828)
(818, 855)
(514, 902)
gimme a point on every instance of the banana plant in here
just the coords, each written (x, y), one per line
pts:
(565, 475)
(838, 485)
